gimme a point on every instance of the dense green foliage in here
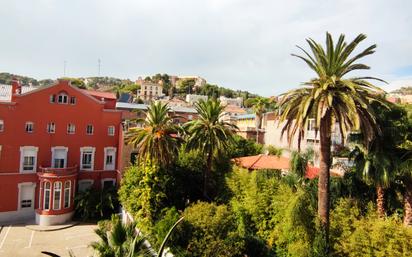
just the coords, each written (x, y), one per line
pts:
(244, 147)
(96, 204)
(118, 240)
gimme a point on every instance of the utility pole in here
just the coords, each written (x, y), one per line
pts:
(99, 64)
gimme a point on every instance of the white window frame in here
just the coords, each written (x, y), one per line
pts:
(111, 130)
(20, 185)
(87, 132)
(52, 99)
(108, 179)
(53, 149)
(45, 191)
(63, 96)
(85, 180)
(1, 125)
(69, 131)
(67, 190)
(51, 127)
(22, 155)
(59, 194)
(87, 149)
(31, 124)
(106, 151)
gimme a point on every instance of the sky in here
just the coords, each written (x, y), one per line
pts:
(239, 44)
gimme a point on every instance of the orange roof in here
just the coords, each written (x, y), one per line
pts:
(99, 94)
(272, 162)
(234, 109)
(261, 161)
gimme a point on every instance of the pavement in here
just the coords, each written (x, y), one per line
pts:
(31, 240)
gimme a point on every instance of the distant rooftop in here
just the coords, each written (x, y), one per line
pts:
(133, 106)
(5, 91)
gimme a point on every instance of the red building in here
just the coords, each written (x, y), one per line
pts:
(55, 141)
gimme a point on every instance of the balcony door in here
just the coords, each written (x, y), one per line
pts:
(59, 157)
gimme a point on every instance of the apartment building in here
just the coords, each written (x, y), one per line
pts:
(54, 142)
(150, 91)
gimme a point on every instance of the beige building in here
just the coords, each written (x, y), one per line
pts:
(238, 101)
(150, 91)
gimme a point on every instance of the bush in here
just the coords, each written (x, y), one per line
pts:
(244, 147)
(208, 230)
(95, 204)
(355, 234)
(142, 193)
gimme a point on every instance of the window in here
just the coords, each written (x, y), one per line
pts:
(108, 183)
(71, 128)
(87, 158)
(67, 190)
(52, 98)
(311, 125)
(29, 127)
(51, 127)
(62, 98)
(109, 158)
(85, 185)
(89, 129)
(1, 125)
(72, 100)
(57, 190)
(26, 194)
(46, 202)
(28, 159)
(59, 157)
(110, 130)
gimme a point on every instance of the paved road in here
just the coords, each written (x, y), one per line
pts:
(17, 240)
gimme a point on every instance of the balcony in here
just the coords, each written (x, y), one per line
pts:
(53, 172)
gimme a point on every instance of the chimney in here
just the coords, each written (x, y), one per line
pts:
(15, 88)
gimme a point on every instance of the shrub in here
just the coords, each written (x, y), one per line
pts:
(142, 193)
(357, 234)
(208, 230)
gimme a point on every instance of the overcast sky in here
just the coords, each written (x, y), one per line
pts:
(240, 44)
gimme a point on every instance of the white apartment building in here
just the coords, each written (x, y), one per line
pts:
(238, 101)
(191, 99)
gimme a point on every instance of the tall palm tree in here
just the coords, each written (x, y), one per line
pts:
(377, 161)
(259, 106)
(331, 98)
(159, 139)
(209, 134)
(375, 166)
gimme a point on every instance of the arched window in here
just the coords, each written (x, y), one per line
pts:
(62, 98)
(57, 190)
(46, 202)
(67, 189)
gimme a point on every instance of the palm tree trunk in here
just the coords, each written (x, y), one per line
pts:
(407, 219)
(324, 175)
(380, 201)
(206, 174)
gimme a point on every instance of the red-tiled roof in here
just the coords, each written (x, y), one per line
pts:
(261, 161)
(99, 94)
(272, 162)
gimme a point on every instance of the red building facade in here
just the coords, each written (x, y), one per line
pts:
(55, 141)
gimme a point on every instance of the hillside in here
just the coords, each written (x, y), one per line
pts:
(117, 85)
(403, 91)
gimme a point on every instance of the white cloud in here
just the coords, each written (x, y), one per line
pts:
(235, 43)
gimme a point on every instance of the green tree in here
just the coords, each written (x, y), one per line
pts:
(376, 161)
(260, 105)
(208, 134)
(159, 139)
(328, 98)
